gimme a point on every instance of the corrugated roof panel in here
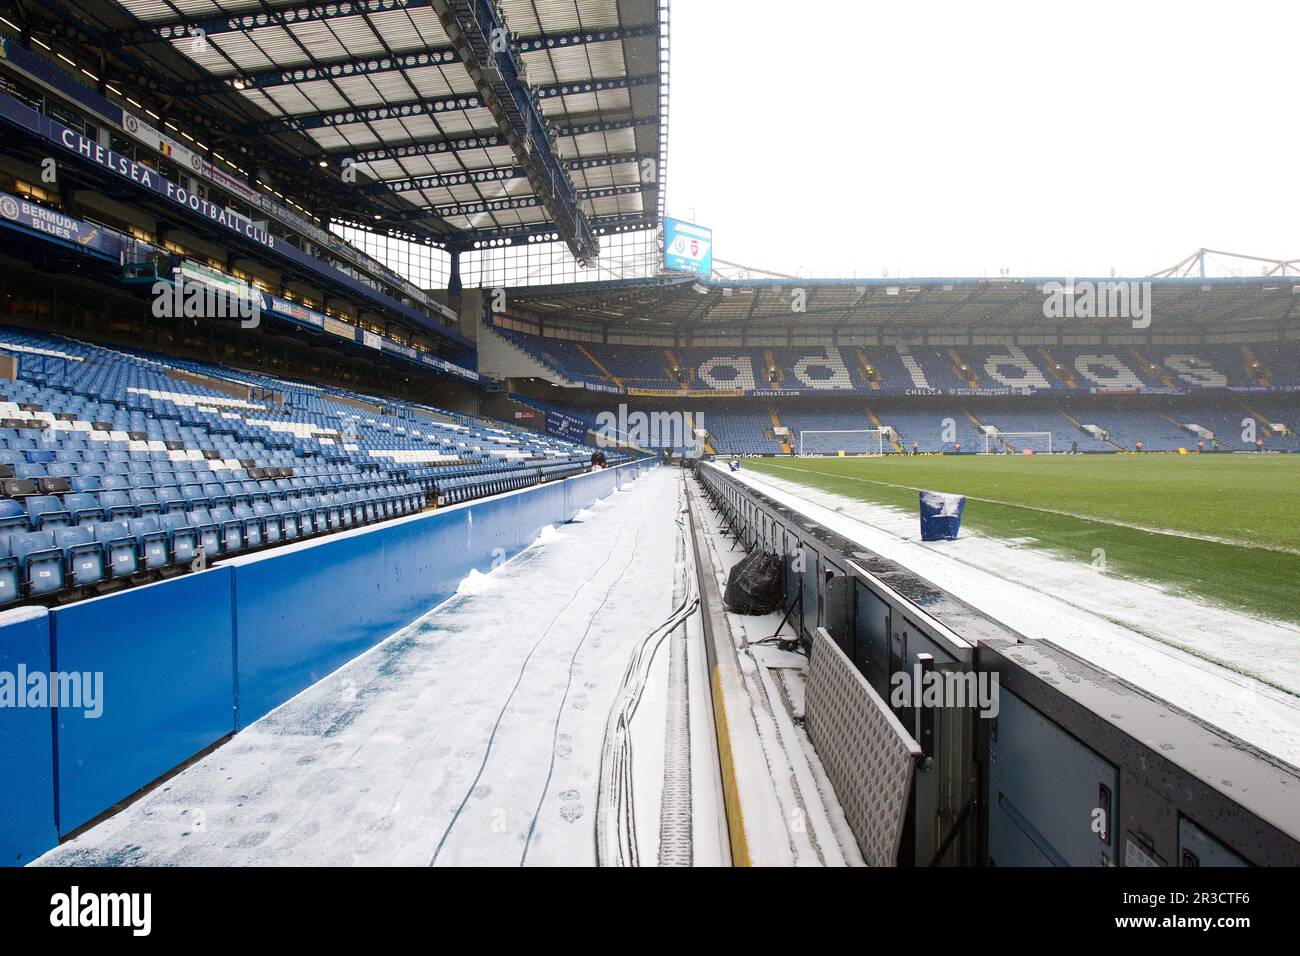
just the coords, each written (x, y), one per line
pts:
(165, 10)
(576, 103)
(520, 17)
(215, 56)
(410, 29)
(598, 144)
(261, 100)
(432, 197)
(556, 15)
(392, 169)
(294, 100)
(270, 48)
(430, 81)
(331, 138)
(260, 50)
(613, 101)
(337, 38)
(353, 134)
(321, 95)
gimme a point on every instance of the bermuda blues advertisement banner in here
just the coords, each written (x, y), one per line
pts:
(16, 211)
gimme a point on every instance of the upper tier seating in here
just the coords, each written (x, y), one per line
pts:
(895, 370)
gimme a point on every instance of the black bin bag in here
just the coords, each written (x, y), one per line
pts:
(755, 585)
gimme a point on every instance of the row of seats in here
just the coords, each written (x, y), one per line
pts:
(118, 466)
(457, 488)
(744, 426)
(903, 370)
(80, 550)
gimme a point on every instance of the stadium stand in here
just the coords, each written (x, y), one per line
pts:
(903, 370)
(114, 469)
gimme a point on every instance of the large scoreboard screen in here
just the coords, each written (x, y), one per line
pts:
(687, 247)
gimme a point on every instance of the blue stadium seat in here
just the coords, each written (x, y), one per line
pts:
(11, 588)
(151, 542)
(209, 532)
(41, 561)
(291, 519)
(120, 546)
(232, 529)
(47, 511)
(13, 517)
(116, 504)
(84, 507)
(273, 528)
(83, 553)
(182, 537)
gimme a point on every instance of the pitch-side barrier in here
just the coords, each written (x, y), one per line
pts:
(1028, 755)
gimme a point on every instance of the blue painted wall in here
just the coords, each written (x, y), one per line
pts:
(186, 662)
(166, 652)
(26, 741)
(304, 612)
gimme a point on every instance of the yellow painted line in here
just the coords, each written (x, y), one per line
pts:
(596, 362)
(730, 789)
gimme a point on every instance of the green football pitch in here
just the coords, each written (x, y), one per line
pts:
(1225, 528)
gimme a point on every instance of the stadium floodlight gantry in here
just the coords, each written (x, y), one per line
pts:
(849, 441)
(1038, 441)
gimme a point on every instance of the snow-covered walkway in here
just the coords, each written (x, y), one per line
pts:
(473, 736)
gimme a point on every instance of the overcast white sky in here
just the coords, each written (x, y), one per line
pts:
(850, 137)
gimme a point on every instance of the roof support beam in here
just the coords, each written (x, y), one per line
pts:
(606, 126)
(484, 43)
(504, 204)
(197, 27)
(595, 86)
(545, 232)
(435, 146)
(409, 60)
(424, 106)
(364, 114)
(310, 72)
(493, 174)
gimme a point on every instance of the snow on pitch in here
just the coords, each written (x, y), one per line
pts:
(372, 764)
(1237, 672)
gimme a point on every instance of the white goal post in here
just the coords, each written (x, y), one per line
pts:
(1000, 437)
(824, 447)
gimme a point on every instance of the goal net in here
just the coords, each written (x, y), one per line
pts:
(850, 441)
(1014, 443)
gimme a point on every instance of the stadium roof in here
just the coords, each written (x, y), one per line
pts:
(465, 121)
(913, 305)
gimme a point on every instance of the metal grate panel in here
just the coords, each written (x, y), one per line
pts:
(868, 756)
